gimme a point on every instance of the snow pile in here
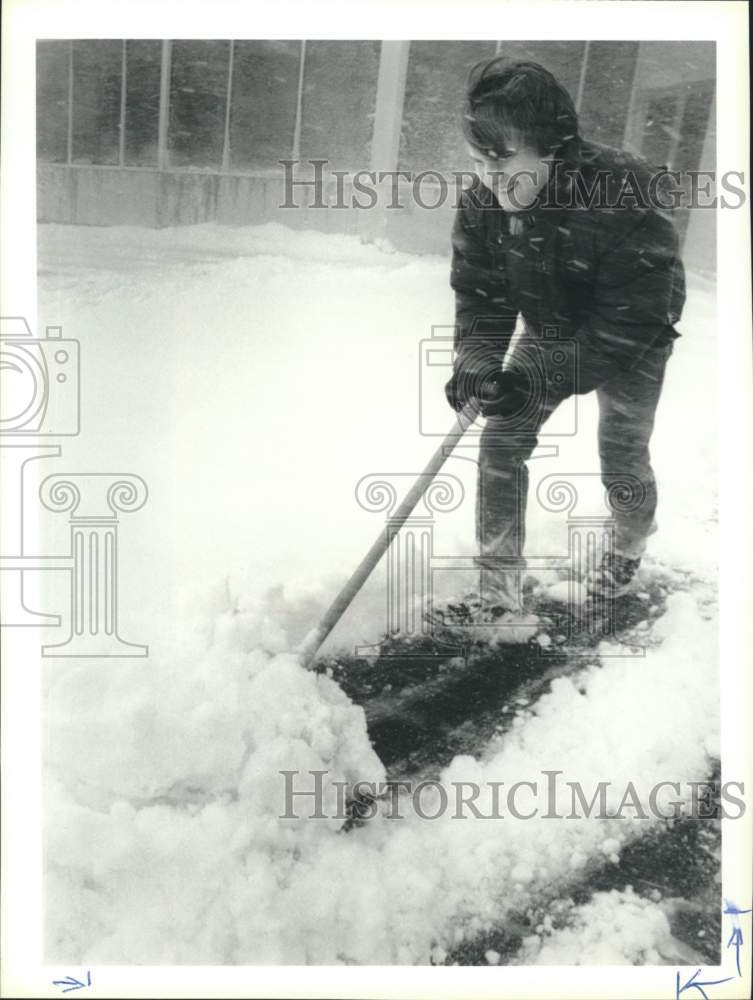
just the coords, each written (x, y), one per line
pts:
(142, 729)
(614, 928)
(147, 874)
(230, 881)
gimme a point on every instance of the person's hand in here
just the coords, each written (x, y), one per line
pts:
(493, 392)
(503, 394)
(456, 390)
(473, 369)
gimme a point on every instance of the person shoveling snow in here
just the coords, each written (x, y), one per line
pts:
(572, 238)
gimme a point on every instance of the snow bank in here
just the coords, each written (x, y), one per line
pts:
(614, 928)
(153, 878)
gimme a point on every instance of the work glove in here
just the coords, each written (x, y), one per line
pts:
(494, 393)
(457, 390)
(475, 363)
(504, 394)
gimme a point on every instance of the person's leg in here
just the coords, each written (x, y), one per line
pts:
(501, 494)
(627, 408)
(501, 498)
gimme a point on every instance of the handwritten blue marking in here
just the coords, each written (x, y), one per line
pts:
(736, 942)
(692, 984)
(71, 983)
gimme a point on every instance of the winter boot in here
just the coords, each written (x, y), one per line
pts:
(500, 616)
(613, 576)
(483, 619)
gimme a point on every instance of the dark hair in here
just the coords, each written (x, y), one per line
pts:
(510, 102)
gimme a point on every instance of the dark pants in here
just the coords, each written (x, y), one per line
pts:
(627, 405)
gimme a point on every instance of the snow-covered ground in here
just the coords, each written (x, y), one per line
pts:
(252, 377)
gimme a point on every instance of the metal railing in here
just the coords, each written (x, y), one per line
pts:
(388, 117)
(163, 155)
(387, 126)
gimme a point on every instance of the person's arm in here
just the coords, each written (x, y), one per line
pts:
(639, 290)
(482, 307)
(484, 317)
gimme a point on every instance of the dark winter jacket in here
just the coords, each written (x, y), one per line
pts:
(605, 274)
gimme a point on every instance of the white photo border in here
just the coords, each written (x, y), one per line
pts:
(25, 21)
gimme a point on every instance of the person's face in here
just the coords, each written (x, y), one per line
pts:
(514, 178)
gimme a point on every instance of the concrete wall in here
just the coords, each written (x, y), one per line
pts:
(699, 252)
(97, 196)
(658, 67)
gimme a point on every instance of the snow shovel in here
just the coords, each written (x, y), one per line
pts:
(313, 641)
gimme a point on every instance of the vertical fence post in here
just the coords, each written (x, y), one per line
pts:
(582, 78)
(388, 120)
(299, 104)
(228, 99)
(69, 139)
(390, 97)
(699, 238)
(121, 144)
(164, 104)
(631, 137)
